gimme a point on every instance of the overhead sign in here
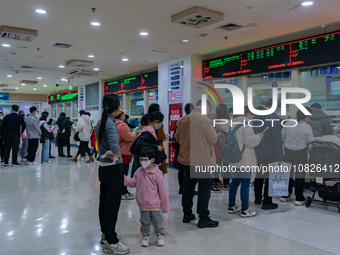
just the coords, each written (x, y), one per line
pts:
(17, 33)
(305, 52)
(4, 96)
(133, 83)
(63, 97)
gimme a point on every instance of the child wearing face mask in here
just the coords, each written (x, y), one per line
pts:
(151, 196)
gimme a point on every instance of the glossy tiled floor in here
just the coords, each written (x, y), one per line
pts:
(52, 209)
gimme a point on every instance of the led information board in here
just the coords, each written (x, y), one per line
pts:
(63, 97)
(305, 52)
(133, 83)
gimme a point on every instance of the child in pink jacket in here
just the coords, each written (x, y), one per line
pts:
(151, 196)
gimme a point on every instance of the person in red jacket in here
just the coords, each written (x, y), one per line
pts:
(126, 137)
(93, 143)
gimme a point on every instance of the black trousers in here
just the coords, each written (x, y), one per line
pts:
(2, 148)
(204, 192)
(12, 143)
(260, 178)
(68, 146)
(296, 157)
(126, 171)
(32, 149)
(83, 148)
(111, 186)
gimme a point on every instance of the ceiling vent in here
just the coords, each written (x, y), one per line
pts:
(82, 72)
(62, 45)
(9, 90)
(197, 17)
(230, 27)
(26, 67)
(161, 50)
(79, 63)
(28, 82)
(2, 85)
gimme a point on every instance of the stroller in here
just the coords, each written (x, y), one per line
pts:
(324, 157)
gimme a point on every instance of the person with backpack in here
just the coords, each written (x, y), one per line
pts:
(246, 140)
(269, 150)
(64, 133)
(126, 137)
(148, 138)
(46, 130)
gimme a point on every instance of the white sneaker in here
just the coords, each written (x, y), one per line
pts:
(145, 240)
(285, 199)
(35, 163)
(248, 213)
(299, 203)
(117, 248)
(23, 160)
(160, 239)
(233, 209)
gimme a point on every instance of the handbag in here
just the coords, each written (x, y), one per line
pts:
(279, 179)
(76, 137)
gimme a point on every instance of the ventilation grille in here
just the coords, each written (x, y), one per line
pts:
(26, 67)
(230, 27)
(2, 85)
(79, 63)
(161, 50)
(28, 82)
(82, 72)
(62, 45)
(9, 90)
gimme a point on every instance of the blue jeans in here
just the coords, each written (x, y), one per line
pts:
(237, 179)
(45, 151)
(23, 150)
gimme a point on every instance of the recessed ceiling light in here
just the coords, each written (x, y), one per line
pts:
(96, 69)
(61, 66)
(91, 56)
(16, 88)
(6, 45)
(144, 33)
(34, 88)
(95, 23)
(307, 3)
(23, 84)
(9, 76)
(63, 79)
(39, 78)
(45, 85)
(125, 59)
(185, 41)
(41, 11)
(181, 66)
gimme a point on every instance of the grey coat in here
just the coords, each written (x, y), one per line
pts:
(320, 123)
(110, 140)
(32, 127)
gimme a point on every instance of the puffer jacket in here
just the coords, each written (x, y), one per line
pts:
(246, 138)
(126, 137)
(84, 128)
(320, 123)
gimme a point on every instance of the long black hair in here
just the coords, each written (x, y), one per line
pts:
(153, 108)
(110, 104)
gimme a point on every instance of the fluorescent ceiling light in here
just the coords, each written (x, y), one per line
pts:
(9, 76)
(96, 69)
(16, 88)
(39, 78)
(144, 33)
(45, 85)
(95, 23)
(307, 3)
(185, 41)
(23, 84)
(62, 66)
(6, 45)
(34, 88)
(125, 59)
(91, 56)
(41, 11)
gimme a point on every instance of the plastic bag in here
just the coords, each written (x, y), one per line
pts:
(279, 179)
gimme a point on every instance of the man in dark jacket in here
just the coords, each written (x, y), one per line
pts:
(12, 127)
(64, 133)
(319, 121)
(268, 151)
(2, 148)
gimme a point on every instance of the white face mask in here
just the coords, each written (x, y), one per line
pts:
(145, 164)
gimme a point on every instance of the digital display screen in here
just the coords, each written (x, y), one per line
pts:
(305, 52)
(63, 97)
(133, 83)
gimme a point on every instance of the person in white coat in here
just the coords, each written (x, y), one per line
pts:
(84, 129)
(247, 140)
